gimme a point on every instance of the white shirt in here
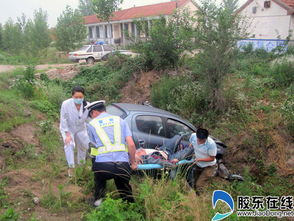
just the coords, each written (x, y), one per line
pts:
(72, 120)
(206, 150)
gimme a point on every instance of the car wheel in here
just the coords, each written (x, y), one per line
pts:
(90, 60)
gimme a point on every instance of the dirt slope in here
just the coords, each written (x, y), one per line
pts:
(138, 90)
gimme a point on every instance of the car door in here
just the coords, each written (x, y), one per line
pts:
(176, 127)
(97, 52)
(107, 49)
(148, 131)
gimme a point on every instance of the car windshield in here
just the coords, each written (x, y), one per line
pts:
(84, 48)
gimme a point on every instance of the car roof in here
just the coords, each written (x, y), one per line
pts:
(147, 108)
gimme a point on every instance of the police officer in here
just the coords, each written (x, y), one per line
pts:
(114, 152)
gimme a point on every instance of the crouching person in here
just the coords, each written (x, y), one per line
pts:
(114, 152)
(205, 160)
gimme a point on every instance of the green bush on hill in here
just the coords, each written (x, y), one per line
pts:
(283, 73)
(104, 81)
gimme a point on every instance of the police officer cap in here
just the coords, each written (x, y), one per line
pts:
(95, 105)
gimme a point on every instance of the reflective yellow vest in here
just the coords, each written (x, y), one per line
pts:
(108, 147)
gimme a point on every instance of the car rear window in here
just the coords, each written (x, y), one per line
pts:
(97, 48)
(150, 125)
(107, 48)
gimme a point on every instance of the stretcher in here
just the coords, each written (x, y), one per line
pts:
(158, 166)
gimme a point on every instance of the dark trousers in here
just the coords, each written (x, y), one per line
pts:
(120, 172)
(198, 177)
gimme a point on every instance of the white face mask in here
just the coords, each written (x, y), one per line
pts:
(78, 100)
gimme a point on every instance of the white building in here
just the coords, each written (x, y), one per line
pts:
(271, 22)
(123, 23)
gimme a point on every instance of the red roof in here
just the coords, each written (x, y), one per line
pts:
(286, 4)
(290, 3)
(166, 8)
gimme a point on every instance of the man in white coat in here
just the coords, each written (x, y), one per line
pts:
(73, 117)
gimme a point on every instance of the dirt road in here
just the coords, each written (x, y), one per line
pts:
(7, 68)
(61, 71)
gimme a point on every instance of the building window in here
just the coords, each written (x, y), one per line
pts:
(90, 32)
(106, 31)
(126, 29)
(267, 4)
(97, 32)
(254, 9)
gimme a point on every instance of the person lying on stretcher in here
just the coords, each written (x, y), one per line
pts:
(165, 156)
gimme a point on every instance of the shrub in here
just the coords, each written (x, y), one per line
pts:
(290, 50)
(45, 106)
(167, 40)
(288, 111)
(116, 61)
(283, 73)
(26, 85)
(105, 81)
(180, 95)
(26, 88)
(55, 94)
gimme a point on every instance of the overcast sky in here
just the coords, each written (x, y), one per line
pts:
(15, 8)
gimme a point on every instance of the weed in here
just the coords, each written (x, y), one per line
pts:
(84, 178)
(62, 200)
(46, 126)
(9, 215)
(3, 195)
(288, 112)
(283, 73)
(115, 210)
(51, 143)
(28, 152)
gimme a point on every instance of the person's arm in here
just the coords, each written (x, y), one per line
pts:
(91, 132)
(212, 151)
(132, 151)
(63, 124)
(209, 159)
(130, 143)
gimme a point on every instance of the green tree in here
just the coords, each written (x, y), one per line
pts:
(37, 33)
(104, 8)
(217, 31)
(12, 37)
(1, 36)
(167, 39)
(70, 30)
(85, 7)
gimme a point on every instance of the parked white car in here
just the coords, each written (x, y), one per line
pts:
(90, 53)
